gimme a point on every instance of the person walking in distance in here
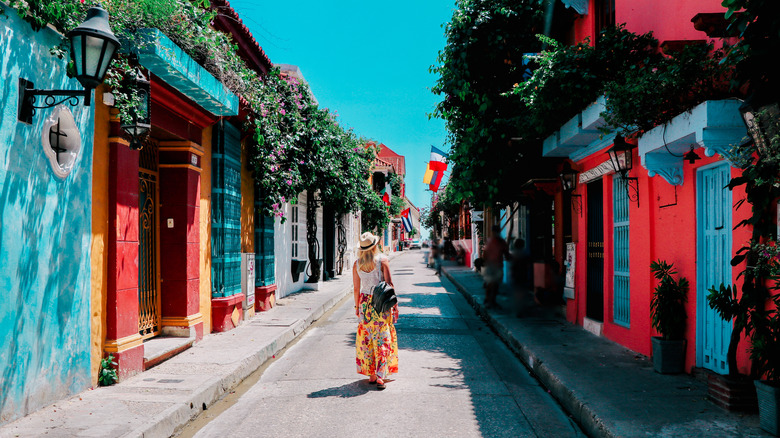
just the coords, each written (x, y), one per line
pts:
(376, 345)
(494, 253)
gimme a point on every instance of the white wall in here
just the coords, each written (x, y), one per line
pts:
(352, 227)
(283, 248)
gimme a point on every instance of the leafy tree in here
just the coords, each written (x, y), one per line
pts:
(288, 129)
(482, 60)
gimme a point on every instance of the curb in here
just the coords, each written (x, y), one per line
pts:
(588, 420)
(175, 417)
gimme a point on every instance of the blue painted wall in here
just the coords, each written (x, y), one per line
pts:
(45, 233)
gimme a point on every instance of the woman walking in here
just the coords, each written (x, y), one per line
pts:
(376, 344)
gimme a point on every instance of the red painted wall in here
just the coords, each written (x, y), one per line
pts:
(663, 227)
(668, 19)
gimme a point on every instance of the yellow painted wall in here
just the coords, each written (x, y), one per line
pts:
(247, 205)
(205, 232)
(99, 247)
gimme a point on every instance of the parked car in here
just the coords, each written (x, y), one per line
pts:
(415, 245)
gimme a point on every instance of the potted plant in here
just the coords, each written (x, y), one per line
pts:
(765, 353)
(667, 311)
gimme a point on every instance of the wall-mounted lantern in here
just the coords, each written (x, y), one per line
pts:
(621, 157)
(569, 181)
(568, 178)
(93, 47)
(761, 120)
(139, 125)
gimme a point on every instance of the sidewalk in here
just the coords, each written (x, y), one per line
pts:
(158, 401)
(609, 390)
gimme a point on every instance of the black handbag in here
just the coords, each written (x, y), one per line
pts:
(383, 297)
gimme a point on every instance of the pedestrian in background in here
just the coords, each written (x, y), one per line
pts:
(376, 345)
(436, 254)
(494, 253)
(521, 262)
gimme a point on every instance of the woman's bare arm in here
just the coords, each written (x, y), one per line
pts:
(386, 272)
(356, 287)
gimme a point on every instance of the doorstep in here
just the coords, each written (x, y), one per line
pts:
(161, 348)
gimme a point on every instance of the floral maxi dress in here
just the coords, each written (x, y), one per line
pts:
(376, 346)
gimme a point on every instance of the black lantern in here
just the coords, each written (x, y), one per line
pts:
(139, 123)
(568, 178)
(620, 156)
(93, 47)
(761, 120)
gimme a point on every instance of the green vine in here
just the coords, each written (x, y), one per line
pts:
(296, 145)
(761, 180)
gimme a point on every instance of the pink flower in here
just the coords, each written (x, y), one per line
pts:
(289, 182)
(283, 111)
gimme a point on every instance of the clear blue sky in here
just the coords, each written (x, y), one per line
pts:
(369, 62)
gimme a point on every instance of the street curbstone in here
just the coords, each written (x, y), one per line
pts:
(577, 408)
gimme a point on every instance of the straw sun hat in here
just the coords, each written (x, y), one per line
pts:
(368, 241)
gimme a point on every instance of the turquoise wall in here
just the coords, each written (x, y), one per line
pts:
(45, 232)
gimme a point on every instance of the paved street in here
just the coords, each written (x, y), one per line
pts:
(456, 378)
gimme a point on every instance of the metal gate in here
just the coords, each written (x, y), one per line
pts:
(149, 314)
(714, 255)
(594, 302)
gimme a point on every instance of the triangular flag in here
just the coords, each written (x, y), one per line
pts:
(437, 159)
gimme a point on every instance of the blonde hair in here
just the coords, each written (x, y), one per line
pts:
(367, 258)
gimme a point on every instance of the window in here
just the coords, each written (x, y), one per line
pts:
(294, 227)
(622, 296)
(604, 15)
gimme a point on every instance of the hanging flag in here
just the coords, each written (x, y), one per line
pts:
(436, 181)
(438, 159)
(386, 195)
(428, 174)
(407, 220)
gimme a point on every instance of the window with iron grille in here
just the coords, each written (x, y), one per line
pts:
(622, 290)
(294, 226)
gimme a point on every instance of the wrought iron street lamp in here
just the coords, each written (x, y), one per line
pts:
(569, 179)
(139, 123)
(761, 120)
(621, 157)
(93, 47)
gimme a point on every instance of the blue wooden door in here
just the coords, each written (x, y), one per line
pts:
(713, 212)
(226, 211)
(264, 246)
